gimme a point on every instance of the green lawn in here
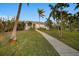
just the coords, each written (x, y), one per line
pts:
(69, 38)
(28, 43)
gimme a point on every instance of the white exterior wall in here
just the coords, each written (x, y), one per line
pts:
(27, 27)
(36, 26)
(41, 26)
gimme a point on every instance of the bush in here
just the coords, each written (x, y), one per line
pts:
(41, 28)
(21, 26)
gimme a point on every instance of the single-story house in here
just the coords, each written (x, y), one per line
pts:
(36, 25)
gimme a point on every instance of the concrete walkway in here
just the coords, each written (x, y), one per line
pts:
(61, 48)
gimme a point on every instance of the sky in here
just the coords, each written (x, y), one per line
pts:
(29, 13)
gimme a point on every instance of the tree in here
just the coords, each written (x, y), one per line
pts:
(29, 23)
(21, 25)
(13, 36)
(55, 14)
(1, 25)
(76, 16)
(77, 6)
(41, 14)
(65, 19)
(49, 24)
(60, 7)
(70, 21)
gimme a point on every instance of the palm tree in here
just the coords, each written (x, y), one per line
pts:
(41, 14)
(70, 21)
(77, 6)
(76, 15)
(65, 19)
(13, 36)
(60, 7)
(55, 13)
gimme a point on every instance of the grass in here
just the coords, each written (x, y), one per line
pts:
(69, 38)
(29, 43)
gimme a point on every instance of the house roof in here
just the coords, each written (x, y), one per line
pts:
(35, 22)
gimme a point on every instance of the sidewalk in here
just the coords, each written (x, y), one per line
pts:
(61, 48)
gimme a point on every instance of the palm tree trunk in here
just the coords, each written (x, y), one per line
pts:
(39, 21)
(58, 28)
(61, 30)
(70, 27)
(13, 36)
